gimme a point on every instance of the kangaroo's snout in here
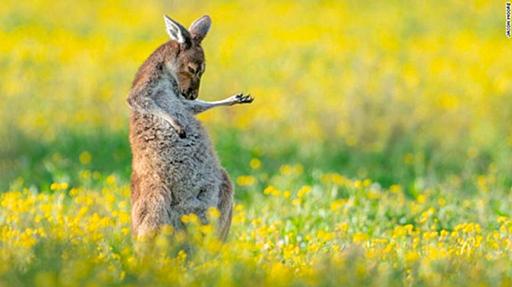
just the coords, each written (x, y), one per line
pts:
(189, 84)
(190, 94)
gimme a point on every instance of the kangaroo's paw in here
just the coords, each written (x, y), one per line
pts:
(181, 133)
(180, 130)
(243, 98)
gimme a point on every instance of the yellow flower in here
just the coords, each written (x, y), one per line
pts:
(111, 180)
(59, 186)
(255, 163)
(337, 204)
(303, 191)
(411, 257)
(325, 236)
(246, 180)
(359, 237)
(271, 190)
(342, 227)
(190, 218)
(395, 188)
(85, 157)
(213, 213)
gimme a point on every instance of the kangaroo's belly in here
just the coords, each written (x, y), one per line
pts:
(187, 168)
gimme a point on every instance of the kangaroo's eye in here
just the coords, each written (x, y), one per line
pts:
(192, 70)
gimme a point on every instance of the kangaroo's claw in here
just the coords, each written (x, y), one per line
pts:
(244, 99)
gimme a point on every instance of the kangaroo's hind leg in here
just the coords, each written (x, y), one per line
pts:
(225, 206)
(150, 210)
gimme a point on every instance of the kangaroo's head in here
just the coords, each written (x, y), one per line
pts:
(188, 64)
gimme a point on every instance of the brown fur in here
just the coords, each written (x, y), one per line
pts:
(225, 206)
(175, 170)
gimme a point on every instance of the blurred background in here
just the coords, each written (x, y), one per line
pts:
(410, 92)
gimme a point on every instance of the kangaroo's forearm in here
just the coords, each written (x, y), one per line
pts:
(198, 106)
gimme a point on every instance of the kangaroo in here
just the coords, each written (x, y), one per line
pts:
(175, 170)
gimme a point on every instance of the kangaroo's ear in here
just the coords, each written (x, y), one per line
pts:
(199, 28)
(177, 32)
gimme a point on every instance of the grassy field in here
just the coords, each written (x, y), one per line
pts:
(378, 151)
